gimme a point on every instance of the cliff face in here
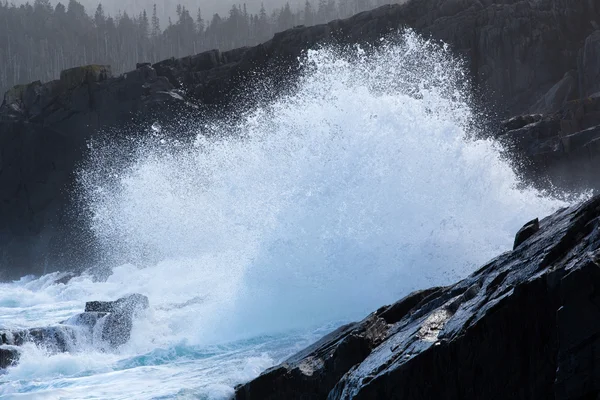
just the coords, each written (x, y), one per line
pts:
(524, 326)
(524, 55)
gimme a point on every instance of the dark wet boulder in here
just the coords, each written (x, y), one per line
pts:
(87, 319)
(526, 232)
(9, 356)
(314, 371)
(117, 324)
(524, 326)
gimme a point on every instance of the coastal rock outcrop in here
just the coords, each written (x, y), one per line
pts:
(560, 149)
(524, 326)
(104, 324)
(523, 56)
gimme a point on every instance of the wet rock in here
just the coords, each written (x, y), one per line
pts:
(109, 321)
(9, 356)
(313, 372)
(524, 326)
(526, 232)
(117, 324)
(55, 339)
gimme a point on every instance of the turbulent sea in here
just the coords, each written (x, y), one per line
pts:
(360, 184)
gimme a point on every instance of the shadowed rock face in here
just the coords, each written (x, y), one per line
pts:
(524, 55)
(561, 148)
(524, 326)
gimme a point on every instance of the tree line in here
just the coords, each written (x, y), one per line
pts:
(39, 40)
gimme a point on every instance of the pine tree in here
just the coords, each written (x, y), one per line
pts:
(199, 22)
(144, 25)
(99, 17)
(155, 31)
(285, 19)
(309, 18)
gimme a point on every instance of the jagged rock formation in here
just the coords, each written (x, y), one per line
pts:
(106, 325)
(524, 326)
(561, 148)
(523, 55)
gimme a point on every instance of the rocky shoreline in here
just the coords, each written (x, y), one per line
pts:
(524, 326)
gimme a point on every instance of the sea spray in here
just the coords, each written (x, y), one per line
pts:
(363, 183)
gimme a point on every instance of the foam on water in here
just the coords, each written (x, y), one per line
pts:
(360, 185)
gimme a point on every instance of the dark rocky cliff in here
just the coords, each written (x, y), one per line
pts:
(525, 56)
(524, 326)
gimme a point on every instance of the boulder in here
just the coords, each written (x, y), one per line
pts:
(526, 232)
(56, 339)
(112, 320)
(524, 326)
(116, 329)
(9, 356)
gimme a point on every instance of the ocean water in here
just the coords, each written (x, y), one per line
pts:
(362, 183)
